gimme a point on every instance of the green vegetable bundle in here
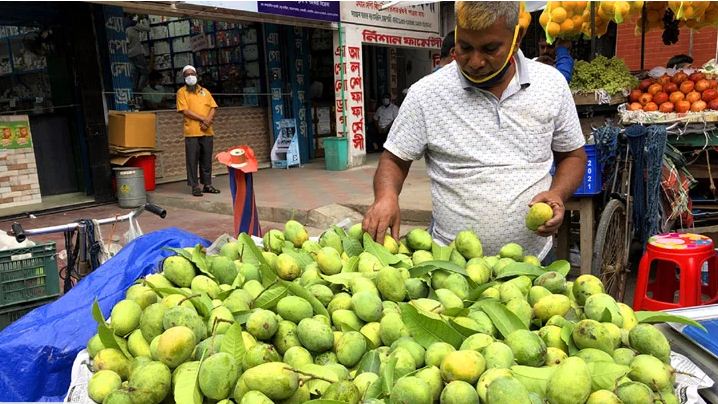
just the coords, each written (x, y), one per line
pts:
(611, 75)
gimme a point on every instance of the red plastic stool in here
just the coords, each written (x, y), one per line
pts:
(667, 253)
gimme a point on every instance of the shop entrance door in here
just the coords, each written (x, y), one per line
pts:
(54, 154)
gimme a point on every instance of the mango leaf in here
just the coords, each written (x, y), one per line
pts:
(456, 312)
(343, 278)
(201, 302)
(561, 266)
(465, 331)
(225, 294)
(301, 256)
(475, 293)
(97, 313)
(240, 317)
(350, 265)
(340, 232)
(661, 317)
(605, 374)
(503, 319)
(107, 337)
(441, 253)
(374, 390)
(110, 340)
(429, 266)
(519, 269)
(233, 343)
(163, 291)
(534, 379)
(369, 363)
(387, 376)
(609, 313)
(299, 291)
(426, 330)
(250, 252)
(379, 251)
(567, 338)
(352, 247)
(186, 387)
(181, 252)
(269, 297)
(199, 259)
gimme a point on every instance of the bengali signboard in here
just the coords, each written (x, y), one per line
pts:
(313, 10)
(406, 16)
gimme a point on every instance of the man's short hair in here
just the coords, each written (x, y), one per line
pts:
(479, 15)
(447, 45)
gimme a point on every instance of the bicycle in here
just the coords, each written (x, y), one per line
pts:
(82, 253)
(615, 232)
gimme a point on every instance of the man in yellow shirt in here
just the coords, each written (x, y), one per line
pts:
(197, 106)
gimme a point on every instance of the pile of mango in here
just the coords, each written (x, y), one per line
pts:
(347, 319)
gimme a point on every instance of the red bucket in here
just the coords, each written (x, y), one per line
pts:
(147, 164)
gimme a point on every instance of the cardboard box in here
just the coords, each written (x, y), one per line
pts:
(132, 129)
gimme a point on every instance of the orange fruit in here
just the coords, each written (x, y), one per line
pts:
(567, 27)
(608, 8)
(553, 29)
(558, 15)
(577, 21)
(525, 20)
(636, 5)
(543, 19)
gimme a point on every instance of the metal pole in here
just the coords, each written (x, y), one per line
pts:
(644, 15)
(341, 79)
(593, 31)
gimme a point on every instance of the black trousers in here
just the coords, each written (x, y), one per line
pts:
(198, 152)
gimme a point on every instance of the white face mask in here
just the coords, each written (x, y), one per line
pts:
(190, 80)
(385, 101)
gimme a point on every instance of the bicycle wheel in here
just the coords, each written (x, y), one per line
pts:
(610, 251)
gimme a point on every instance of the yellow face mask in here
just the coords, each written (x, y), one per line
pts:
(503, 66)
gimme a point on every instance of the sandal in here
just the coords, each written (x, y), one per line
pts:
(210, 189)
(196, 192)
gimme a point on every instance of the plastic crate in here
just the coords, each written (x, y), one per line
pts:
(592, 183)
(28, 274)
(9, 315)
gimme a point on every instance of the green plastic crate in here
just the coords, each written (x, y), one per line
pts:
(28, 274)
(336, 151)
(10, 314)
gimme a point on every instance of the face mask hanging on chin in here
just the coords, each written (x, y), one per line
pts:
(496, 77)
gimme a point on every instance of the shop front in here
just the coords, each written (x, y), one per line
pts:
(379, 52)
(265, 63)
(53, 148)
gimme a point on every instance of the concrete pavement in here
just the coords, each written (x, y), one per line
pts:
(309, 194)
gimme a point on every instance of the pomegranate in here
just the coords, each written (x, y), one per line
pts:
(654, 89)
(713, 104)
(679, 77)
(696, 77)
(670, 87)
(660, 97)
(635, 106)
(682, 106)
(643, 86)
(663, 80)
(645, 98)
(687, 86)
(676, 96)
(635, 95)
(702, 85)
(709, 95)
(693, 96)
(698, 106)
(651, 106)
(666, 107)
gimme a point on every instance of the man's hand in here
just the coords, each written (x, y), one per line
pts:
(553, 199)
(381, 215)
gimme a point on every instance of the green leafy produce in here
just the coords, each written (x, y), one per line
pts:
(611, 75)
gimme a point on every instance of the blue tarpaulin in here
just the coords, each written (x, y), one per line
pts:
(37, 351)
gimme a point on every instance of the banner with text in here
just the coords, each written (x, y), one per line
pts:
(416, 17)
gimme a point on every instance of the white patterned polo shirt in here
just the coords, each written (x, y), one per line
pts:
(487, 157)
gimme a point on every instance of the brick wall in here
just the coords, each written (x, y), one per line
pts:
(19, 184)
(628, 46)
(232, 126)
